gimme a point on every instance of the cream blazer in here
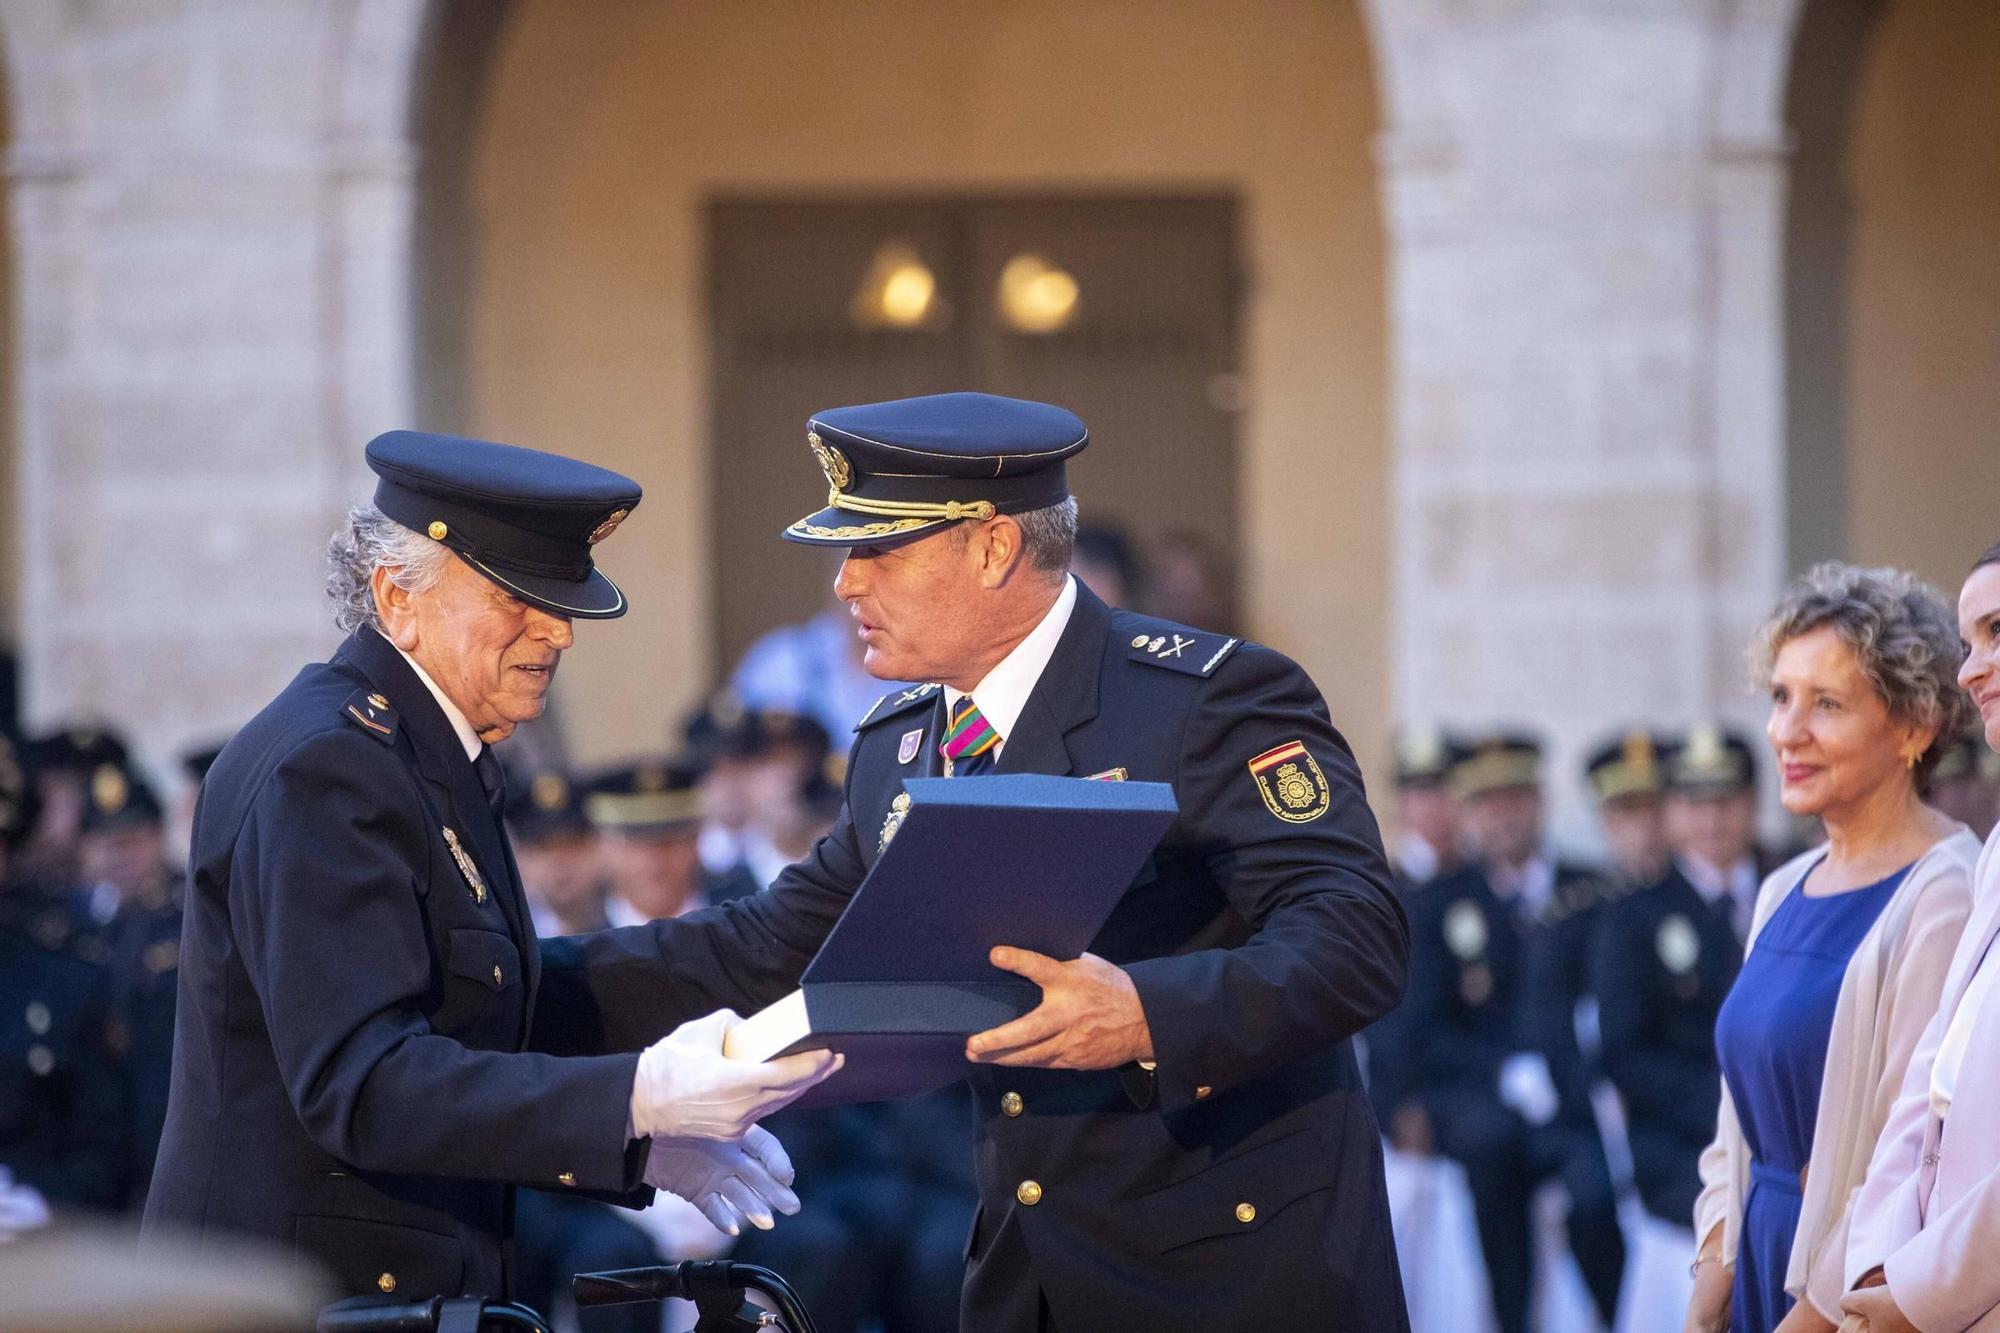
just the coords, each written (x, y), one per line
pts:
(1929, 1212)
(1886, 1001)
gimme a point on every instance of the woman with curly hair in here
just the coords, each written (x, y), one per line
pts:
(1849, 942)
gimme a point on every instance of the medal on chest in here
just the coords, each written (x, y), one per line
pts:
(899, 810)
(465, 866)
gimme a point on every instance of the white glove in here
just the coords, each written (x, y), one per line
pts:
(688, 1089)
(731, 1183)
(1526, 1086)
(22, 1207)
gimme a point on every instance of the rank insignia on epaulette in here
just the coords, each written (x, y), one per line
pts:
(372, 712)
(465, 866)
(1291, 783)
(893, 703)
(1196, 654)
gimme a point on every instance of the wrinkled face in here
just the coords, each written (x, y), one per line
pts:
(1834, 737)
(916, 606)
(1979, 626)
(1635, 832)
(561, 871)
(1505, 826)
(491, 653)
(1720, 827)
(655, 872)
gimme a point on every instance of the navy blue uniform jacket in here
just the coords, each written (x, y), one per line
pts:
(1240, 1185)
(354, 1073)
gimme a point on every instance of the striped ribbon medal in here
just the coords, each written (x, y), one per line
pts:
(968, 742)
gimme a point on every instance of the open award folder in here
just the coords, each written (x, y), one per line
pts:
(1023, 859)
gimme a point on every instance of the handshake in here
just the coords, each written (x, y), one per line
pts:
(700, 1109)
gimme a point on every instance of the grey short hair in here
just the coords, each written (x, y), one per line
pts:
(1902, 633)
(1048, 536)
(369, 540)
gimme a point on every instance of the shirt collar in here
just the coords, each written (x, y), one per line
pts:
(1004, 691)
(1714, 885)
(462, 728)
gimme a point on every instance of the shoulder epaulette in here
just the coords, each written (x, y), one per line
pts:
(371, 712)
(897, 701)
(1192, 652)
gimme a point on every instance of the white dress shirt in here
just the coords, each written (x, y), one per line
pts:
(1003, 692)
(1738, 887)
(1958, 1036)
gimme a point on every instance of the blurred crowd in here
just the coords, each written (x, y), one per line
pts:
(1558, 1042)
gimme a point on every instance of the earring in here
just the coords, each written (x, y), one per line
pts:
(1910, 761)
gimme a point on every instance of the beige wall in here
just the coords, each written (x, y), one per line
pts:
(1923, 354)
(610, 124)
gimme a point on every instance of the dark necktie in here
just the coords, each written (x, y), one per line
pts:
(970, 745)
(493, 779)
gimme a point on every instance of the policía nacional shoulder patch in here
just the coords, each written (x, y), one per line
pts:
(1290, 781)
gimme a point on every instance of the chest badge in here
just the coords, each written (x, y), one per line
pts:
(912, 742)
(899, 810)
(1465, 930)
(1678, 945)
(466, 866)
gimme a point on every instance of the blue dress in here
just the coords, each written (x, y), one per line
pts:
(1771, 1037)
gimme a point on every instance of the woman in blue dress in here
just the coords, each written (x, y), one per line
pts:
(1848, 949)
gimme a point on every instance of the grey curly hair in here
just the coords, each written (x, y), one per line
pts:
(370, 539)
(1902, 633)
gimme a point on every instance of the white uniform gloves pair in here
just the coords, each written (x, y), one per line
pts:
(701, 1110)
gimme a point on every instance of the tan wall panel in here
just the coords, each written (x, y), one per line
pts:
(1924, 315)
(610, 124)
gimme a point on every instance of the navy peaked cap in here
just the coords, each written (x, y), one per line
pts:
(900, 470)
(525, 519)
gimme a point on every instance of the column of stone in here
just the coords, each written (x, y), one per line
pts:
(1583, 202)
(210, 205)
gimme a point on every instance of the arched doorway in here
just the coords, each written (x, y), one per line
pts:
(1893, 277)
(605, 134)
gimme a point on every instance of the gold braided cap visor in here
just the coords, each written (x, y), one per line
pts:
(901, 507)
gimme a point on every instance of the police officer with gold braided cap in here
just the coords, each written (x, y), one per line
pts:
(373, 1048)
(1178, 1136)
(1498, 965)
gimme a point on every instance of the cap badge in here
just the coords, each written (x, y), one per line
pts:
(1465, 930)
(650, 778)
(1291, 783)
(465, 866)
(108, 789)
(907, 751)
(608, 526)
(831, 461)
(1678, 945)
(899, 810)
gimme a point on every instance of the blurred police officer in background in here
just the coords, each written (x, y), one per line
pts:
(1628, 782)
(1498, 953)
(648, 822)
(370, 1052)
(1711, 811)
(557, 852)
(1427, 817)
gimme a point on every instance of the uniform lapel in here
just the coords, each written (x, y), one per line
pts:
(1065, 696)
(455, 791)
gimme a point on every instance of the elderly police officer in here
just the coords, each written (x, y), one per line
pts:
(1177, 1137)
(367, 1059)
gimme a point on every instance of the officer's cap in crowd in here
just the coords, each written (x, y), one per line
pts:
(525, 519)
(1425, 756)
(652, 797)
(1633, 764)
(543, 806)
(900, 470)
(1503, 761)
(1711, 760)
(725, 729)
(119, 798)
(76, 749)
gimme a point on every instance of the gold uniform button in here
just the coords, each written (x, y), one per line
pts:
(1246, 1212)
(438, 530)
(1202, 1092)
(496, 975)
(1011, 1103)
(568, 1179)
(1028, 1192)
(387, 1282)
